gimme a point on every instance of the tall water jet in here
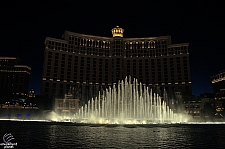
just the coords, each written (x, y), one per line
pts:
(126, 103)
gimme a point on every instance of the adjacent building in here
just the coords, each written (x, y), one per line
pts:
(87, 61)
(218, 82)
(31, 94)
(14, 78)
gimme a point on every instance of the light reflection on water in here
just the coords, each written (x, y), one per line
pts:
(47, 135)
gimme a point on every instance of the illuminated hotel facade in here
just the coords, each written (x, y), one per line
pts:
(13, 76)
(80, 59)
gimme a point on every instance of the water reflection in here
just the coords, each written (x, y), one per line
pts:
(44, 135)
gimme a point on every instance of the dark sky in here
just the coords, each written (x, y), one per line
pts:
(25, 25)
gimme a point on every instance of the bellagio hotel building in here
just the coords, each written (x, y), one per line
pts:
(80, 59)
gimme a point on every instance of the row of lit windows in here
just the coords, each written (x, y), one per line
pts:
(102, 67)
(134, 53)
(88, 42)
(16, 69)
(221, 75)
(98, 42)
(99, 64)
(98, 72)
(140, 45)
(101, 50)
(179, 85)
(118, 65)
(172, 62)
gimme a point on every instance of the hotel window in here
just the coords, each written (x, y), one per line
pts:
(106, 45)
(58, 46)
(142, 45)
(81, 42)
(76, 41)
(163, 52)
(148, 45)
(130, 45)
(49, 55)
(151, 44)
(97, 43)
(69, 49)
(85, 42)
(64, 47)
(158, 53)
(50, 46)
(90, 42)
(71, 40)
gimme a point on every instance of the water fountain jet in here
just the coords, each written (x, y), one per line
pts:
(125, 103)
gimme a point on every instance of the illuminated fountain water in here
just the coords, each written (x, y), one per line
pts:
(126, 103)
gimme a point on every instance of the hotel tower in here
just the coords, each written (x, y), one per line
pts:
(87, 61)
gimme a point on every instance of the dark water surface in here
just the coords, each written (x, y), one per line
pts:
(43, 135)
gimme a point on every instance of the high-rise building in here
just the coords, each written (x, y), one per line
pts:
(14, 78)
(80, 59)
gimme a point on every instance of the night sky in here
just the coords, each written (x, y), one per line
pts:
(25, 25)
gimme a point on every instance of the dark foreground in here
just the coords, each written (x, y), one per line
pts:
(67, 135)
